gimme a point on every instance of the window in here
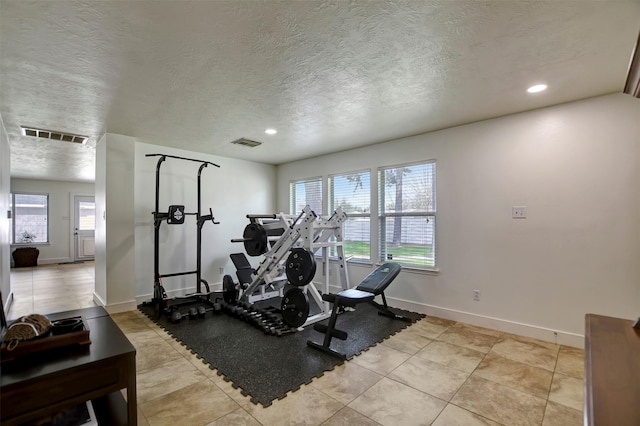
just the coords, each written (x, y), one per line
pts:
(352, 193)
(407, 214)
(86, 216)
(303, 192)
(29, 218)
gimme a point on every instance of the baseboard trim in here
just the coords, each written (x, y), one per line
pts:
(176, 293)
(54, 260)
(7, 304)
(98, 300)
(116, 308)
(548, 335)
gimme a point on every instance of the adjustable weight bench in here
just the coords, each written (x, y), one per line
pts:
(373, 285)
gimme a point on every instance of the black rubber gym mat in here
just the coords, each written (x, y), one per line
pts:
(266, 367)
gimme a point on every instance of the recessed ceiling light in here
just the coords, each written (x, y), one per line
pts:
(537, 88)
(271, 131)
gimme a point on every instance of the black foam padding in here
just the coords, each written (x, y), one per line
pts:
(380, 278)
(266, 367)
(240, 261)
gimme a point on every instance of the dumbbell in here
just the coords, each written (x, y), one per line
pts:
(193, 313)
(176, 317)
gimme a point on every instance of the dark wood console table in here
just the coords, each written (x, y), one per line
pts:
(612, 372)
(39, 385)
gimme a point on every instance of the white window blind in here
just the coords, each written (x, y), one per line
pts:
(407, 214)
(352, 193)
(29, 218)
(305, 192)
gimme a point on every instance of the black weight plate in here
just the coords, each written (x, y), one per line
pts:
(255, 239)
(295, 307)
(229, 291)
(301, 267)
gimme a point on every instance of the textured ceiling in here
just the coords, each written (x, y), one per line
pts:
(329, 75)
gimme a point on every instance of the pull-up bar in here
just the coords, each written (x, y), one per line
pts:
(181, 158)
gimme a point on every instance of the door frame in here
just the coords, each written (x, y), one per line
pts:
(72, 221)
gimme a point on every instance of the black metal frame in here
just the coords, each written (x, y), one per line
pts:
(365, 292)
(159, 295)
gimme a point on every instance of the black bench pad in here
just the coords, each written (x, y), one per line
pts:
(380, 278)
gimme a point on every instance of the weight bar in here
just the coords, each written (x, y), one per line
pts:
(254, 238)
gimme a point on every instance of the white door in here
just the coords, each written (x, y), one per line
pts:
(85, 225)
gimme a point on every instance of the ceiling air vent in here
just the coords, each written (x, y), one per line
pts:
(247, 142)
(54, 135)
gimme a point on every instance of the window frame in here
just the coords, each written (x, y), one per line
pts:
(292, 192)
(332, 206)
(12, 201)
(383, 215)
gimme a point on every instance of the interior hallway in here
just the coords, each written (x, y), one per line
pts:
(435, 372)
(52, 288)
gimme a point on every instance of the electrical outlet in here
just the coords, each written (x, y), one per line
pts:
(519, 212)
(476, 295)
(221, 270)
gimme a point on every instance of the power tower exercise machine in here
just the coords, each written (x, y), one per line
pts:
(289, 245)
(176, 216)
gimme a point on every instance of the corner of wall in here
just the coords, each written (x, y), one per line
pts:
(5, 185)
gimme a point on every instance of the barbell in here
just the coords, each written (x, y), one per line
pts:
(254, 238)
(300, 266)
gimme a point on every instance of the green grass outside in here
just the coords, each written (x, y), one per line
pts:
(414, 254)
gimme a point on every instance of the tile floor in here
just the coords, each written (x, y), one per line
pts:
(435, 372)
(52, 288)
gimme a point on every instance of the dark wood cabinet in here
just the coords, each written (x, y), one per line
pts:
(612, 372)
(39, 385)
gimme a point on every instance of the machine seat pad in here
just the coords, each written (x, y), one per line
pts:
(355, 295)
(380, 278)
(240, 261)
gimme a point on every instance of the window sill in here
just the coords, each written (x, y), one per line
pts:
(408, 269)
(420, 271)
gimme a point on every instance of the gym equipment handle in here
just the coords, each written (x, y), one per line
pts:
(261, 216)
(210, 217)
(181, 158)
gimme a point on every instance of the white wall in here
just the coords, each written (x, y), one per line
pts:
(100, 293)
(115, 254)
(61, 224)
(577, 169)
(5, 252)
(232, 191)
